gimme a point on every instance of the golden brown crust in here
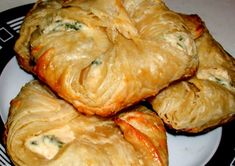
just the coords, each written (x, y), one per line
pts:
(205, 101)
(45, 130)
(146, 132)
(194, 106)
(103, 57)
(194, 23)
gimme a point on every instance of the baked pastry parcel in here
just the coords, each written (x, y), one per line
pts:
(45, 130)
(103, 56)
(207, 99)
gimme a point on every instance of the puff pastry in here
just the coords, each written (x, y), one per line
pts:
(103, 56)
(207, 99)
(45, 130)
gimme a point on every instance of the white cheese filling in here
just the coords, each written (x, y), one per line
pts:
(49, 143)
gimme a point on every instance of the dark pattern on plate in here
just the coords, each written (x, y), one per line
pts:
(9, 31)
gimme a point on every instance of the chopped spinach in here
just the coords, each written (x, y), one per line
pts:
(63, 25)
(76, 26)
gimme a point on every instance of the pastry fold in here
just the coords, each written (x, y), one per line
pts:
(206, 100)
(104, 56)
(42, 129)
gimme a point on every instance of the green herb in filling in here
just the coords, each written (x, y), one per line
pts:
(221, 82)
(96, 62)
(180, 38)
(60, 25)
(76, 26)
(53, 139)
(34, 143)
(179, 44)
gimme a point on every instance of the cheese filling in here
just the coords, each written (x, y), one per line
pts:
(181, 41)
(217, 75)
(60, 24)
(49, 143)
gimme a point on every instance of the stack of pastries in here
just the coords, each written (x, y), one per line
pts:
(95, 61)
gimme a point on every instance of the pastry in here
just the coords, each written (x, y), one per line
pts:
(206, 100)
(103, 56)
(43, 129)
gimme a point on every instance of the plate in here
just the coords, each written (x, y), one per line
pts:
(206, 149)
